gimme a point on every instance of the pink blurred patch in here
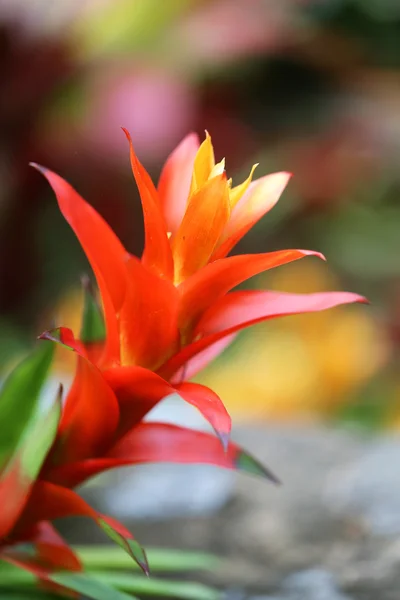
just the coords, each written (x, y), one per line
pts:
(155, 106)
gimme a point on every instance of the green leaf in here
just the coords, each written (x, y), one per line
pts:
(245, 462)
(93, 327)
(187, 590)
(88, 586)
(19, 398)
(106, 581)
(14, 578)
(39, 439)
(131, 546)
(110, 557)
(24, 465)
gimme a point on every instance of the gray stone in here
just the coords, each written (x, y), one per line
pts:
(314, 584)
(337, 486)
(370, 488)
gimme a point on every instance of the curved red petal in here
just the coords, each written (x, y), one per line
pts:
(103, 249)
(210, 405)
(90, 416)
(138, 390)
(205, 287)
(91, 413)
(157, 252)
(175, 180)
(238, 310)
(162, 442)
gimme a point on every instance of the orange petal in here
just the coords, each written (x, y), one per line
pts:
(200, 291)
(175, 179)
(149, 318)
(203, 165)
(239, 190)
(157, 252)
(261, 196)
(205, 218)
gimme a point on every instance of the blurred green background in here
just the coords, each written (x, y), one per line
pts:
(308, 86)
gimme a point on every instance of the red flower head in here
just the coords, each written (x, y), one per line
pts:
(171, 311)
(165, 316)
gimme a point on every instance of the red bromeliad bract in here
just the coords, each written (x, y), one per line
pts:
(177, 301)
(166, 315)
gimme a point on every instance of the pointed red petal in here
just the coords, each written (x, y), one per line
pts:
(157, 252)
(90, 416)
(203, 289)
(175, 179)
(210, 405)
(49, 501)
(91, 412)
(161, 442)
(238, 310)
(138, 390)
(261, 196)
(103, 249)
(241, 309)
(148, 318)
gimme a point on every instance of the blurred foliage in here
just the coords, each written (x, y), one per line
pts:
(108, 574)
(310, 86)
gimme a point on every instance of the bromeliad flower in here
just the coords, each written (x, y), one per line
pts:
(173, 310)
(165, 315)
(44, 453)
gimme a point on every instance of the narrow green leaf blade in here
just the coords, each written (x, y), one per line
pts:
(247, 463)
(88, 586)
(185, 590)
(23, 467)
(161, 560)
(19, 398)
(130, 545)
